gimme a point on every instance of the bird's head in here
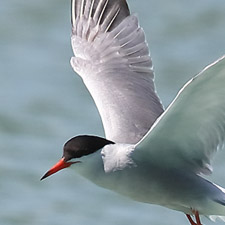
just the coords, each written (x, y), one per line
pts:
(75, 149)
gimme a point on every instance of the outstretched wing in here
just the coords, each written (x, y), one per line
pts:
(192, 127)
(112, 57)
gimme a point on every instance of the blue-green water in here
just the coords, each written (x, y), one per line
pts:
(43, 103)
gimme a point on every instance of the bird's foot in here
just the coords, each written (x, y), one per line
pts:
(197, 218)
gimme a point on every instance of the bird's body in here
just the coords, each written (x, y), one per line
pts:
(176, 189)
(150, 155)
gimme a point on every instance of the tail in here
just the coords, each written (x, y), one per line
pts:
(219, 205)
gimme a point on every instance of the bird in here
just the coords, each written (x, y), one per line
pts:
(149, 154)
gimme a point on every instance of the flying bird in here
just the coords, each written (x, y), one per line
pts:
(149, 154)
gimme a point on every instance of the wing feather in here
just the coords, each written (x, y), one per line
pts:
(193, 126)
(112, 57)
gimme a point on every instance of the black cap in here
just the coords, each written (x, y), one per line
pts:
(83, 145)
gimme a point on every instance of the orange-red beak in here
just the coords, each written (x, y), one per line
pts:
(61, 164)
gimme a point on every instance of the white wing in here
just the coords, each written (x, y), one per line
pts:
(112, 57)
(192, 127)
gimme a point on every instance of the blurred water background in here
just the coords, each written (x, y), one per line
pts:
(43, 103)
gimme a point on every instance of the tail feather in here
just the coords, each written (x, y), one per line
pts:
(219, 204)
(221, 198)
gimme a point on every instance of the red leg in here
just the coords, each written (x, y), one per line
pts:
(197, 218)
(191, 220)
(198, 222)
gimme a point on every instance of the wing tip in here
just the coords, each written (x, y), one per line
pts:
(73, 14)
(99, 10)
(213, 63)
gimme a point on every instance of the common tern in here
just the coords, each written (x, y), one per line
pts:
(151, 155)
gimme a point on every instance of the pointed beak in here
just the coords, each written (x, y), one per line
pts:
(61, 164)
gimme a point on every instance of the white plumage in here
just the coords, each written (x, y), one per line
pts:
(151, 155)
(126, 100)
(118, 158)
(192, 128)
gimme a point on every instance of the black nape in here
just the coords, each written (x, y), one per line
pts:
(83, 145)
